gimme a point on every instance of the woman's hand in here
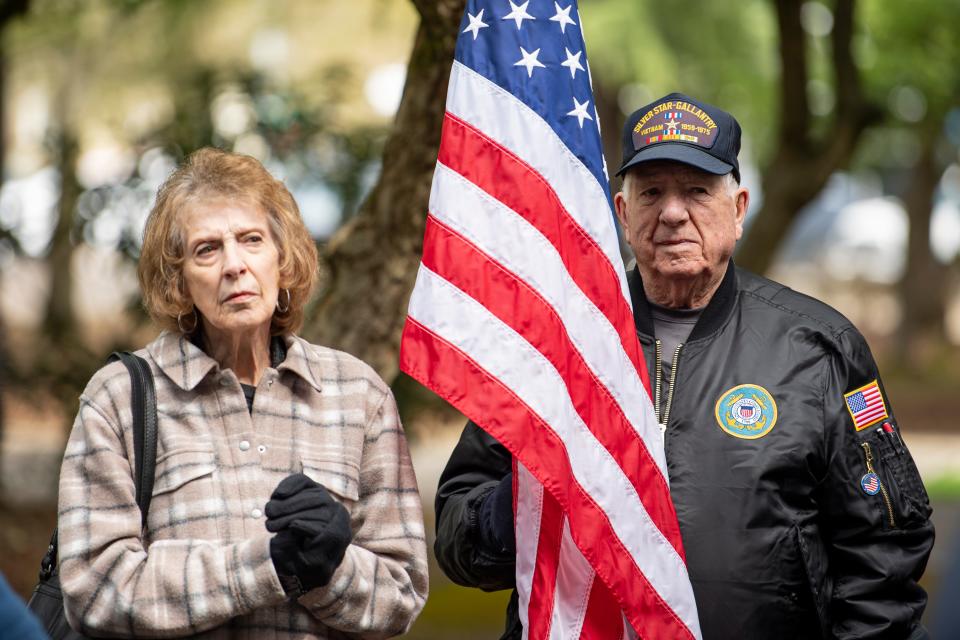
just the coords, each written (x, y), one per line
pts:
(313, 531)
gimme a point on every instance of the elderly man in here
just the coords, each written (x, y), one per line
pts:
(801, 511)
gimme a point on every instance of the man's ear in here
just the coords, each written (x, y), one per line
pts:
(620, 208)
(742, 199)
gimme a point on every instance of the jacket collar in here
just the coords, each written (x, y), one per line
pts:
(717, 311)
(302, 359)
(186, 364)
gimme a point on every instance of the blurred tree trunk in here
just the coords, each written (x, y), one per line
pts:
(9, 10)
(803, 162)
(611, 121)
(922, 289)
(58, 321)
(372, 261)
(62, 362)
(4, 357)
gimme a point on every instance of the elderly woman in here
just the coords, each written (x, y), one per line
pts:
(284, 504)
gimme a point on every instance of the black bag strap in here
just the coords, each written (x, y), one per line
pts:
(143, 399)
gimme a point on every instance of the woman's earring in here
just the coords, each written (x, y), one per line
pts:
(287, 307)
(193, 312)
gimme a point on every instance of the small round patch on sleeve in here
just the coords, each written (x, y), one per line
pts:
(870, 483)
(746, 411)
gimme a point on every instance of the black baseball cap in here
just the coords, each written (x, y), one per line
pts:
(677, 127)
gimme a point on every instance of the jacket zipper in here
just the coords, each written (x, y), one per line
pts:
(673, 384)
(658, 364)
(868, 455)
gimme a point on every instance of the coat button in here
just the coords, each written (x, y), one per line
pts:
(262, 449)
(244, 445)
(256, 513)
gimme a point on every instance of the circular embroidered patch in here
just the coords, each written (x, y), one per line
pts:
(747, 411)
(870, 484)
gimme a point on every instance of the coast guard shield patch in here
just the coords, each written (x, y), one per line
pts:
(746, 411)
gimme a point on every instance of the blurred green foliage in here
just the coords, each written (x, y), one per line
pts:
(723, 53)
(457, 612)
(726, 53)
(944, 488)
(909, 52)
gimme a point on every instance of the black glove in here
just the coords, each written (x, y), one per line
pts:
(496, 517)
(313, 531)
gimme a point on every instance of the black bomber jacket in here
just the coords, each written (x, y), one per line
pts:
(795, 523)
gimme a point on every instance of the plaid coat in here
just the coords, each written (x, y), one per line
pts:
(202, 567)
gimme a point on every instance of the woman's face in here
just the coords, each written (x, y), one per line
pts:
(232, 265)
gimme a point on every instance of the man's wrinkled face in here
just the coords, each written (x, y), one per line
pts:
(682, 223)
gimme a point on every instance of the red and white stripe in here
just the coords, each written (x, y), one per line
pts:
(521, 318)
(559, 593)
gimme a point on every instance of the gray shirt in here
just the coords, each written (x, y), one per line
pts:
(672, 328)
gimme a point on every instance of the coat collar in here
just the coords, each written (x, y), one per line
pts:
(187, 365)
(717, 311)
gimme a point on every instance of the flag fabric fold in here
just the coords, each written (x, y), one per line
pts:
(521, 318)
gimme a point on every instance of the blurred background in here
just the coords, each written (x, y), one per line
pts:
(851, 119)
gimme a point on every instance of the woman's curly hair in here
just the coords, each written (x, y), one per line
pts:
(211, 174)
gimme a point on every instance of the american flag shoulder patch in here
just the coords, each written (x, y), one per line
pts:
(866, 405)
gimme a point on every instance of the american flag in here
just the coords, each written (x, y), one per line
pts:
(866, 405)
(521, 318)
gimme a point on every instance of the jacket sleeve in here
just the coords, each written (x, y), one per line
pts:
(113, 586)
(477, 464)
(877, 544)
(381, 585)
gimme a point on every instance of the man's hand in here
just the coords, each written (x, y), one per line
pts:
(313, 531)
(496, 517)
